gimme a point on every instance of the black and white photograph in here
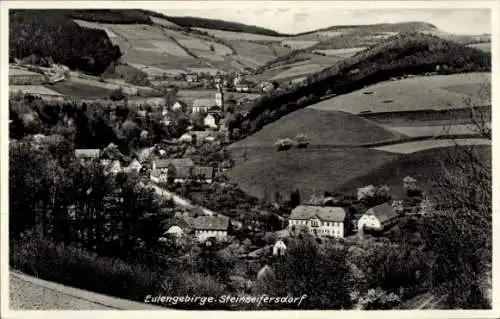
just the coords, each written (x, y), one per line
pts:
(242, 157)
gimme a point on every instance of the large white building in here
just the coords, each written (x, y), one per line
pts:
(319, 221)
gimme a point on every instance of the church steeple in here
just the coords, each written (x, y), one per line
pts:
(219, 97)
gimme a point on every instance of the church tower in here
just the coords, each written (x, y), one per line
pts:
(219, 97)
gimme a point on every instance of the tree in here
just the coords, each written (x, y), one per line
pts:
(463, 243)
(117, 95)
(319, 272)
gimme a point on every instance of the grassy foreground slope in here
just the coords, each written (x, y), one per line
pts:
(321, 128)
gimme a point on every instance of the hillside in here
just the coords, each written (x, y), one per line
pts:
(51, 35)
(214, 24)
(392, 173)
(264, 171)
(321, 127)
(413, 53)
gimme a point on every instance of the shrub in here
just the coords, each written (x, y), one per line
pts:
(283, 144)
(117, 95)
(72, 266)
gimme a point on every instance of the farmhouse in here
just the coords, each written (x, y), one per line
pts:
(211, 121)
(178, 106)
(134, 166)
(181, 170)
(160, 169)
(205, 227)
(24, 77)
(192, 77)
(242, 87)
(378, 218)
(202, 105)
(87, 153)
(319, 221)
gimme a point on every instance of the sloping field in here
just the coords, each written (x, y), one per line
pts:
(230, 35)
(417, 146)
(162, 22)
(253, 53)
(434, 130)
(298, 44)
(345, 53)
(418, 93)
(311, 171)
(152, 71)
(32, 89)
(81, 90)
(485, 46)
(297, 71)
(321, 128)
(392, 173)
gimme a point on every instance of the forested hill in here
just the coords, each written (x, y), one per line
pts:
(195, 22)
(53, 35)
(412, 26)
(407, 53)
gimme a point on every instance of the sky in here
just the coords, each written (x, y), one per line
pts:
(301, 19)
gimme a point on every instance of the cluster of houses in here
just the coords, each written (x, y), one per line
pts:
(180, 170)
(326, 221)
(111, 162)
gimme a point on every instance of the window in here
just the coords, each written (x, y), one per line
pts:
(315, 223)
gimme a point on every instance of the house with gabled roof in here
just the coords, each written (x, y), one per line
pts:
(205, 227)
(87, 154)
(319, 221)
(202, 105)
(379, 217)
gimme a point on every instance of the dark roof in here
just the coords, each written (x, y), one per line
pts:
(87, 153)
(208, 222)
(205, 171)
(336, 214)
(383, 212)
(206, 102)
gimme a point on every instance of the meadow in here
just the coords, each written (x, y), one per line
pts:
(485, 46)
(417, 93)
(80, 90)
(417, 146)
(434, 130)
(393, 172)
(32, 89)
(265, 171)
(321, 128)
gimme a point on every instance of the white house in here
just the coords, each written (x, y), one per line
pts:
(177, 106)
(279, 248)
(113, 168)
(319, 220)
(378, 217)
(186, 138)
(211, 121)
(174, 231)
(134, 166)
